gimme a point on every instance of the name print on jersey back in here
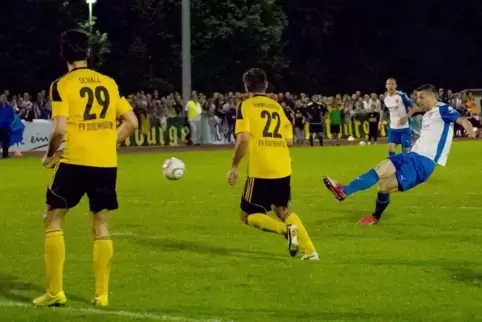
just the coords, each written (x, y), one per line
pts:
(269, 128)
(91, 103)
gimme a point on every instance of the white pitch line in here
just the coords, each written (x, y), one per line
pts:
(123, 234)
(124, 314)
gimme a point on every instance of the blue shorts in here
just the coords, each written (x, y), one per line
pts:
(400, 136)
(412, 169)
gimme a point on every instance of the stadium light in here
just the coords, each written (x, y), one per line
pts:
(91, 4)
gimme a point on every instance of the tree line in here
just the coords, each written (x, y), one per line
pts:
(341, 45)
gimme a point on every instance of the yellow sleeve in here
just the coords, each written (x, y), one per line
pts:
(287, 128)
(123, 106)
(242, 119)
(59, 100)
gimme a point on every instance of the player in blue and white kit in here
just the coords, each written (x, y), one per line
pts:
(404, 171)
(400, 109)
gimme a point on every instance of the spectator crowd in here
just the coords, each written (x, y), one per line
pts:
(211, 118)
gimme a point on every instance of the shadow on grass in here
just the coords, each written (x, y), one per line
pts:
(467, 276)
(203, 248)
(273, 314)
(12, 288)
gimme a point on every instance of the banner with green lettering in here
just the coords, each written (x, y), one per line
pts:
(173, 133)
(176, 131)
(357, 128)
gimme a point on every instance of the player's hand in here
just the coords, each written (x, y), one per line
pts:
(232, 176)
(403, 120)
(50, 162)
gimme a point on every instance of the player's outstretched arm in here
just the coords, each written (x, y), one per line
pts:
(413, 110)
(59, 127)
(128, 125)
(467, 127)
(290, 142)
(240, 149)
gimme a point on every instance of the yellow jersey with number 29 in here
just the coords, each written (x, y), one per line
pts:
(269, 128)
(92, 104)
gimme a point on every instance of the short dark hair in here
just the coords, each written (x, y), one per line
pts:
(74, 45)
(255, 80)
(427, 88)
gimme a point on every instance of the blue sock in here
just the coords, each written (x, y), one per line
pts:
(383, 199)
(363, 182)
(391, 154)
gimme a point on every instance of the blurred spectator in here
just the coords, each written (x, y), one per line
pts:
(366, 103)
(7, 116)
(193, 111)
(471, 105)
(374, 103)
(211, 118)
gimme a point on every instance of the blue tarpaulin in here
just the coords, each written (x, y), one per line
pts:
(16, 131)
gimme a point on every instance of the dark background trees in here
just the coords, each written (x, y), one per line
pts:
(325, 45)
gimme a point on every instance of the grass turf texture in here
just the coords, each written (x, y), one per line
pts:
(181, 250)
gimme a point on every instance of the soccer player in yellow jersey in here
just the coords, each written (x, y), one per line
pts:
(264, 131)
(85, 107)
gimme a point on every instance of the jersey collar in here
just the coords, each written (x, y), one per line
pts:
(77, 68)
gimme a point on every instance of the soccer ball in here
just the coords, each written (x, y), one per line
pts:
(362, 143)
(173, 169)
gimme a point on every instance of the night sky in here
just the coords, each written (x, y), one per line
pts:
(326, 46)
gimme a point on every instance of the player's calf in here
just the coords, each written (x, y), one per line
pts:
(386, 186)
(102, 257)
(301, 235)
(54, 259)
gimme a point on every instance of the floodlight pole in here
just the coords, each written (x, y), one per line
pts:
(186, 51)
(90, 3)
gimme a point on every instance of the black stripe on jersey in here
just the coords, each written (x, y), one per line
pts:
(55, 95)
(239, 112)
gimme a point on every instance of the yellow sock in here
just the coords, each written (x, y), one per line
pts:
(54, 260)
(303, 237)
(102, 259)
(267, 223)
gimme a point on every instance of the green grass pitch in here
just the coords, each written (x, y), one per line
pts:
(181, 250)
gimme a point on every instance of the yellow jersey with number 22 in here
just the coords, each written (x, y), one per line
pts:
(269, 128)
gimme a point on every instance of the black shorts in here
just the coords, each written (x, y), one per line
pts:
(335, 128)
(72, 182)
(260, 194)
(373, 128)
(316, 128)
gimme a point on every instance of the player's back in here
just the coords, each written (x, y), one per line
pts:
(269, 128)
(91, 103)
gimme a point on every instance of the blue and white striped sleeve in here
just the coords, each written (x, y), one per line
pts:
(406, 101)
(449, 114)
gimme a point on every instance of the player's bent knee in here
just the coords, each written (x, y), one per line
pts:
(281, 212)
(53, 219)
(385, 169)
(388, 185)
(244, 217)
